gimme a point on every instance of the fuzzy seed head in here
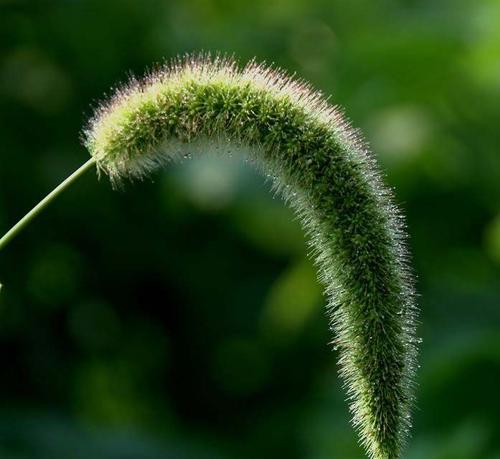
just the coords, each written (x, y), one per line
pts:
(326, 173)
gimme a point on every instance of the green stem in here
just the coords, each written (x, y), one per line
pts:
(44, 203)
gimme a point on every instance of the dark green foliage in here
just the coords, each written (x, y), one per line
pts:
(326, 173)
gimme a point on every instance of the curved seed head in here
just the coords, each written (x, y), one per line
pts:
(328, 176)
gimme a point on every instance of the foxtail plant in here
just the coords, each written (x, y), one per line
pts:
(327, 174)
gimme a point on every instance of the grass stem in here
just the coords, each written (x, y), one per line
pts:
(17, 228)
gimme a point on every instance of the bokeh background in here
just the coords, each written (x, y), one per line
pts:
(180, 317)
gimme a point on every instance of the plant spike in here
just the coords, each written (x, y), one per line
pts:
(327, 174)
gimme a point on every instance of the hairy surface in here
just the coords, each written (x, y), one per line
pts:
(327, 174)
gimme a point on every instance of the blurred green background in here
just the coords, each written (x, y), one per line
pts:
(180, 317)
